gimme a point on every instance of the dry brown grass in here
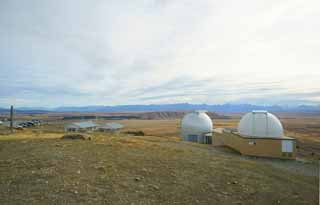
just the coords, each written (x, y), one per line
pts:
(153, 127)
(40, 168)
(36, 167)
(304, 127)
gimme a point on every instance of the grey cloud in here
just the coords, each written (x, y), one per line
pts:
(184, 87)
(111, 52)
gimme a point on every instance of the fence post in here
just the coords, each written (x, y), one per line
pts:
(11, 119)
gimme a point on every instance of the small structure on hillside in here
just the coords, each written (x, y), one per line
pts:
(36, 121)
(112, 126)
(80, 126)
(197, 127)
(260, 133)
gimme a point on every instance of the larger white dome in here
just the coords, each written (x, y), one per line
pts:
(196, 123)
(260, 124)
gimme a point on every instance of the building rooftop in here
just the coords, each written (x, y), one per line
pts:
(111, 126)
(85, 124)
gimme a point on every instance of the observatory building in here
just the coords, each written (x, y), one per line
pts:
(260, 124)
(260, 133)
(197, 127)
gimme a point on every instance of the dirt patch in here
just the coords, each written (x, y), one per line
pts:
(135, 133)
(76, 137)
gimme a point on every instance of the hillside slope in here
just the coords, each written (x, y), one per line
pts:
(38, 168)
(174, 115)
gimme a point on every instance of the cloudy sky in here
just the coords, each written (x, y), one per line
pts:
(109, 52)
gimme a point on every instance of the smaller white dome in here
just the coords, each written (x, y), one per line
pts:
(260, 124)
(196, 123)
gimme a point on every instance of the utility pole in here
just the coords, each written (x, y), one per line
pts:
(11, 119)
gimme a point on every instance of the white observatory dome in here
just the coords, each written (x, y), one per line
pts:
(195, 124)
(260, 124)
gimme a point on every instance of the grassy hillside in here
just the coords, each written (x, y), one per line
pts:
(39, 168)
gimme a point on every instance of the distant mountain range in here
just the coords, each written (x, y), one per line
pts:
(223, 108)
